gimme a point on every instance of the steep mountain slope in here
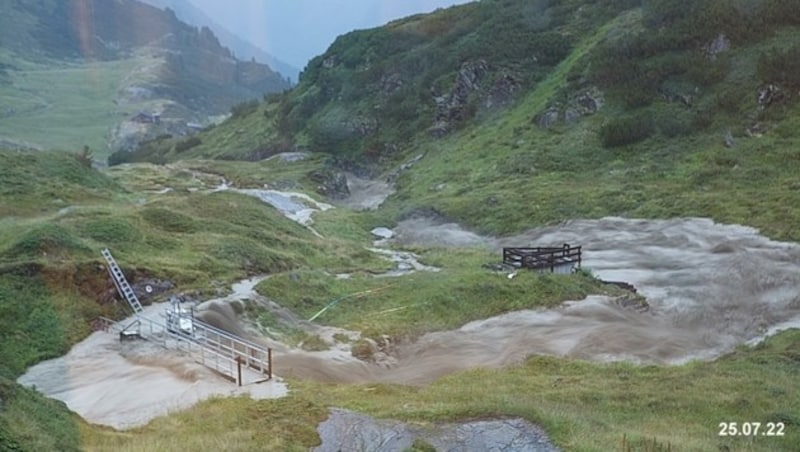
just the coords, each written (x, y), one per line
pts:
(243, 49)
(96, 65)
(534, 112)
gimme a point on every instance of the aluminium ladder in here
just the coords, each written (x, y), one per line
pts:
(121, 283)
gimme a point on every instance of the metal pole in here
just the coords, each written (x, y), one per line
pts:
(239, 370)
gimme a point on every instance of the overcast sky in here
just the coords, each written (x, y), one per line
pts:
(297, 30)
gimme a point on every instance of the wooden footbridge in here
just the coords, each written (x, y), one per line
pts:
(230, 355)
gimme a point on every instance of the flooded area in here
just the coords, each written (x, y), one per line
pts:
(125, 384)
(710, 287)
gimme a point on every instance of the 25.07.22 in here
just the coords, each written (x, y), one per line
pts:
(751, 429)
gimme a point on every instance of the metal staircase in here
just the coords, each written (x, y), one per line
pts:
(121, 283)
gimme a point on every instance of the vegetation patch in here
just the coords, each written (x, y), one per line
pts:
(234, 424)
(628, 130)
(47, 181)
(29, 421)
(46, 241)
(169, 220)
(423, 301)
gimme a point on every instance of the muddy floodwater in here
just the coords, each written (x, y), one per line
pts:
(710, 287)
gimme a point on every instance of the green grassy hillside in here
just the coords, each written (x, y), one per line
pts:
(640, 112)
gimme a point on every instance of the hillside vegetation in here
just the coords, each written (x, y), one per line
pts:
(534, 112)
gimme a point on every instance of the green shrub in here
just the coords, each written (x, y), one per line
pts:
(109, 230)
(626, 130)
(48, 240)
(30, 330)
(168, 220)
(244, 108)
(119, 157)
(674, 120)
(781, 67)
(730, 100)
(187, 144)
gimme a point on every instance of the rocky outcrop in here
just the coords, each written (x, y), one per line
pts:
(330, 183)
(718, 45)
(452, 107)
(390, 83)
(583, 103)
(348, 430)
(769, 95)
(502, 92)
(392, 176)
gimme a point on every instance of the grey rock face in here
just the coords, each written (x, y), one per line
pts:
(347, 430)
(330, 183)
(718, 45)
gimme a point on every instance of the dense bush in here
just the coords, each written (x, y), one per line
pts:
(781, 67)
(187, 144)
(674, 124)
(109, 230)
(244, 108)
(168, 220)
(49, 240)
(626, 130)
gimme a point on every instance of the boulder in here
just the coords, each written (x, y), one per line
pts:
(502, 92)
(768, 95)
(718, 45)
(382, 233)
(546, 119)
(330, 183)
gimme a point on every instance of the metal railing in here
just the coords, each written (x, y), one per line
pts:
(543, 258)
(224, 352)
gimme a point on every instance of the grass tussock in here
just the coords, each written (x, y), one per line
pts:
(231, 424)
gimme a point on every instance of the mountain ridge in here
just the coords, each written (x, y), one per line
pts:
(127, 57)
(242, 48)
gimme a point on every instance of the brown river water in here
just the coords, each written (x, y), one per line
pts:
(710, 288)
